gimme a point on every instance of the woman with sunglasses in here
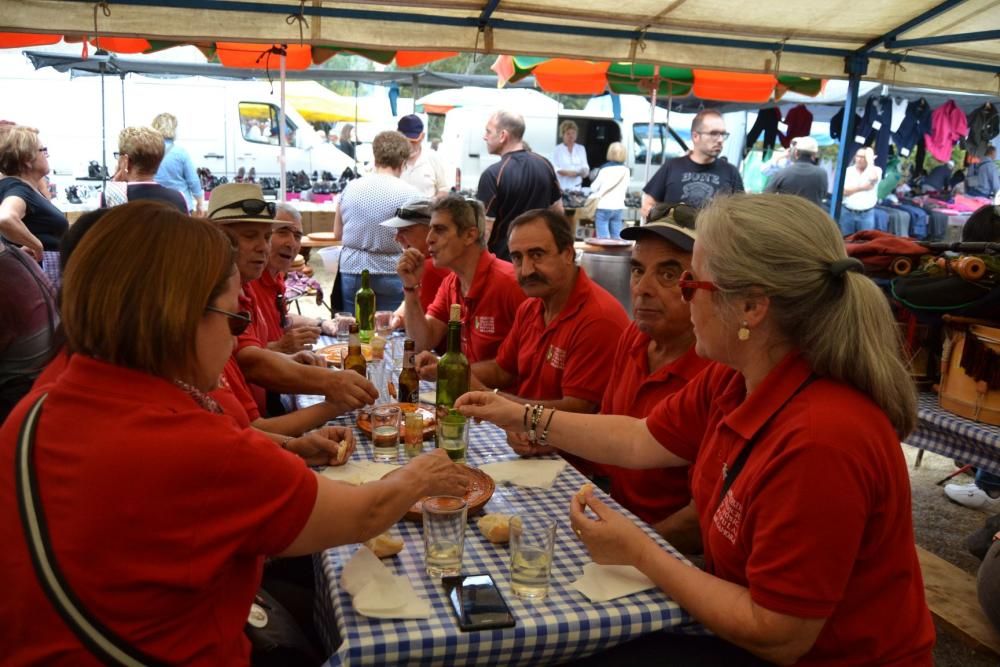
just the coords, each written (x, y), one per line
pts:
(140, 152)
(158, 511)
(793, 433)
(27, 217)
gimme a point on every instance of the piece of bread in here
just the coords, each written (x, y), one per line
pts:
(581, 495)
(341, 451)
(495, 527)
(385, 545)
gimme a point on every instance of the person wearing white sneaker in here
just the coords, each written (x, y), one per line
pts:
(984, 493)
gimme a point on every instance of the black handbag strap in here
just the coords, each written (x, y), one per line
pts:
(729, 473)
(98, 639)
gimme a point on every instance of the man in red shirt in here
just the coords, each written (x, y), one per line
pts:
(412, 223)
(247, 219)
(286, 332)
(483, 285)
(557, 353)
(655, 357)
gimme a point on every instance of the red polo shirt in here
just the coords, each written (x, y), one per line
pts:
(430, 282)
(234, 395)
(488, 310)
(254, 336)
(818, 524)
(632, 390)
(266, 290)
(572, 355)
(160, 514)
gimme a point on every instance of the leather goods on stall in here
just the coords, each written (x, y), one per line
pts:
(970, 371)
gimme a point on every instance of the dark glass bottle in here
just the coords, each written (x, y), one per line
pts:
(409, 381)
(355, 360)
(364, 308)
(453, 367)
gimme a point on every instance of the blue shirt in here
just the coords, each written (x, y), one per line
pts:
(177, 173)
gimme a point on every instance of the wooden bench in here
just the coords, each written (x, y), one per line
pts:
(951, 596)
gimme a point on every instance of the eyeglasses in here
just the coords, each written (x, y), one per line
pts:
(682, 214)
(44, 151)
(688, 285)
(251, 207)
(238, 322)
(716, 134)
(117, 155)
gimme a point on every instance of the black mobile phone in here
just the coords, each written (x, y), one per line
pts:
(477, 602)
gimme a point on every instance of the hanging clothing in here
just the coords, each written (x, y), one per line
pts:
(899, 105)
(915, 124)
(984, 124)
(838, 121)
(767, 122)
(948, 125)
(875, 129)
(799, 121)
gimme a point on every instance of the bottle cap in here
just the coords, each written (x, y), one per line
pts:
(456, 312)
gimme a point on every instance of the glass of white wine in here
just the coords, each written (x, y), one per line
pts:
(444, 534)
(532, 544)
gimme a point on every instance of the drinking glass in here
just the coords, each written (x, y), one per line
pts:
(453, 435)
(532, 542)
(413, 434)
(344, 322)
(385, 433)
(444, 534)
(383, 321)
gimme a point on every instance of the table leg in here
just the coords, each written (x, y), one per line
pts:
(920, 458)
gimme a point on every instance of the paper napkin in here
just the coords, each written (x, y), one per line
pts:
(358, 472)
(377, 592)
(539, 473)
(601, 583)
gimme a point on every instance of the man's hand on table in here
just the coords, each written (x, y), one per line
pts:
(323, 446)
(307, 358)
(346, 391)
(295, 340)
(436, 475)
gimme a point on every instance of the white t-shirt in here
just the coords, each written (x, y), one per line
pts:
(612, 183)
(428, 174)
(865, 199)
(577, 161)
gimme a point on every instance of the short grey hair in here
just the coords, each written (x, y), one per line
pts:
(285, 207)
(465, 214)
(511, 121)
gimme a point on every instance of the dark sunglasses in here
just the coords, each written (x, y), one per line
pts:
(412, 214)
(252, 207)
(688, 285)
(683, 215)
(238, 322)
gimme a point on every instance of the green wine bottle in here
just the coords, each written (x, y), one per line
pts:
(364, 308)
(452, 369)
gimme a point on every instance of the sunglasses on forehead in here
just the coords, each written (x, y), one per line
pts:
(412, 214)
(682, 214)
(238, 322)
(252, 207)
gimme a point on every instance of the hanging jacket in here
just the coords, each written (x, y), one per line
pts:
(915, 125)
(874, 129)
(837, 122)
(948, 125)
(984, 124)
(799, 120)
(767, 122)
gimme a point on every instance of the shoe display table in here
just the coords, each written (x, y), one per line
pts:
(947, 434)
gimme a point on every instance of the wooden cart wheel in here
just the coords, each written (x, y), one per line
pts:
(902, 266)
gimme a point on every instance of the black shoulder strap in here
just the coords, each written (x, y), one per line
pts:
(100, 641)
(730, 473)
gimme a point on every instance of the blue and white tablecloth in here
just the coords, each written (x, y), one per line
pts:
(947, 434)
(562, 627)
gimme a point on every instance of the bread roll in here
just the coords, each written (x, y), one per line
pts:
(385, 545)
(341, 451)
(581, 495)
(495, 528)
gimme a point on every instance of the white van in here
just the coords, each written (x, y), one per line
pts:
(223, 125)
(462, 138)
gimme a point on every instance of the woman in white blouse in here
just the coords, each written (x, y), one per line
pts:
(611, 186)
(570, 158)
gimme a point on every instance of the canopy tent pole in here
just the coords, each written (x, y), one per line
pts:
(104, 134)
(356, 133)
(283, 185)
(652, 118)
(855, 67)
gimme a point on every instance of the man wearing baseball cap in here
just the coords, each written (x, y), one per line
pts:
(803, 177)
(655, 357)
(248, 220)
(424, 169)
(412, 222)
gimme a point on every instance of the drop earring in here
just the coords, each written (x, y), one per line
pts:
(744, 333)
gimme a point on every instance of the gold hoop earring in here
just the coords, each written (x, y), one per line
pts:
(744, 333)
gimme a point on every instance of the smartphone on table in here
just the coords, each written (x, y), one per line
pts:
(477, 602)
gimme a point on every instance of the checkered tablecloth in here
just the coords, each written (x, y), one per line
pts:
(947, 434)
(560, 628)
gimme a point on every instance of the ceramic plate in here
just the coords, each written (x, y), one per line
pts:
(365, 423)
(481, 488)
(335, 353)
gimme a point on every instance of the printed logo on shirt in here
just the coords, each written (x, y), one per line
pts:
(485, 324)
(728, 517)
(556, 357)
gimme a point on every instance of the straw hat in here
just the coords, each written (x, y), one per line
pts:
(240, 202)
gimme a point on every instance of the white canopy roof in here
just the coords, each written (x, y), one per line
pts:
(949, 44)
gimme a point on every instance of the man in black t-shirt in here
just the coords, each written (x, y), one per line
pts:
(521, 181)
(803, 177)
(697, 177)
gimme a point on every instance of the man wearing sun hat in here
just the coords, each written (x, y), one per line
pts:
(248, 220)
(654, 358)
(803, 177)
(412, 222)
(424, 170)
